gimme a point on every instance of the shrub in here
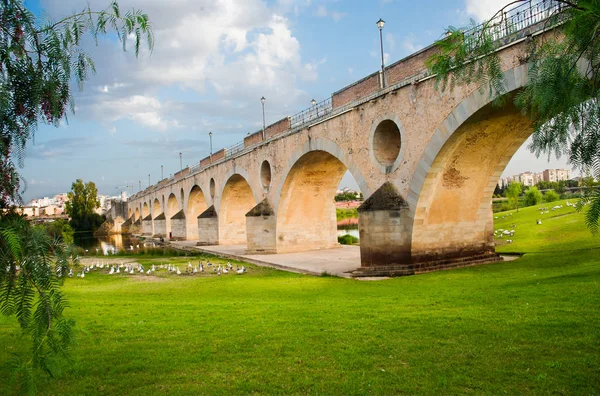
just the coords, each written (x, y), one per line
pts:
(551, 196)
(533, 196)
(348, 239)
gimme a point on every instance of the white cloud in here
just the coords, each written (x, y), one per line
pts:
(481, 10)
(241, 49)
(322, 11)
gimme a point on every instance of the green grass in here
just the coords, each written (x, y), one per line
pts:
(530, 326)
(561, 230)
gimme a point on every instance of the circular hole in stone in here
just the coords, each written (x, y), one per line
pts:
(265, 174)
(212, 188)
(386, 142)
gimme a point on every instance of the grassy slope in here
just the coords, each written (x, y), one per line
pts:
(527, 326)
(561, 230)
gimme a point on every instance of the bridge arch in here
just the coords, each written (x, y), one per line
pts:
(195, 206)
(237, 198)
(145, 210)
(306, 210)
(331, 148)
(156, 208)
(136, 216)
(170, 211)
(451, 191)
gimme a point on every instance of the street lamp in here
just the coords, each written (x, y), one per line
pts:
(162, 176)
(262, 101)
(314, 103)
(180, 163)
(148, 178)
(210, 136)
(140, 185)
(380, 24)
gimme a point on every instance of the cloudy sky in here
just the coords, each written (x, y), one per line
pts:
(212, 61)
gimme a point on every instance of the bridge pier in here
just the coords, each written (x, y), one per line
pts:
(178, 226)
(261, 225)
(147, 226)
(160, 226)
(384, 225)
(208, 227)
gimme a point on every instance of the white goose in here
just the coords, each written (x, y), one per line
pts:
(178, 272)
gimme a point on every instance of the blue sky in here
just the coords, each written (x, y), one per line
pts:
(211, 63)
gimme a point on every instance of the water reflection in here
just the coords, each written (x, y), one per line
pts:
(110, 245)
(348, 226)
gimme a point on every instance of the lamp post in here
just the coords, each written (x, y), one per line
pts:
(210, 136)
(148, 178)
(262, 101)
(140, 184)
(162, 176)
(314, 103)
(380, 24)
(180, 163)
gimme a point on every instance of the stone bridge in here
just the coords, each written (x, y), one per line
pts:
(426, 161)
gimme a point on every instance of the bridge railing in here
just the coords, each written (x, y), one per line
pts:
(505, 24)
(318, 110)
(232, 150)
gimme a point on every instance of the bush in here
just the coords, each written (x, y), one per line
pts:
(533, 196)
(348, 239)
(551, 196)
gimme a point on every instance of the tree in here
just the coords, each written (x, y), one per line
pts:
(513, 191)
(562, 94)
(38, 60)
(59, 229)
(81, 206)
(32, 268)
(551, 196)
(533, 196)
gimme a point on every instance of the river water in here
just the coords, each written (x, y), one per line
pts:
(119, 243)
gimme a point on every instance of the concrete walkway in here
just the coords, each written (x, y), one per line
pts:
(338, 261)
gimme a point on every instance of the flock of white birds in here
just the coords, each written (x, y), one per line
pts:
(132, 268)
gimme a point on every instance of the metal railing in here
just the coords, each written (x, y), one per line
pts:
(236, 148)
(307, 116)
(505, 24)
(194, 168)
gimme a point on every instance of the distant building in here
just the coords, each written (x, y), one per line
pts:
(556, 175)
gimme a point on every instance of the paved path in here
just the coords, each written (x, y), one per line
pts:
(338, 261)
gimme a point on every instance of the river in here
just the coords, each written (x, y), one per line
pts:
(119, 243)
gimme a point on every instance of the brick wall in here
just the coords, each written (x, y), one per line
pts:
(394, 73)
(218, 155)
(357, 90)
(251, 140)
(182, 173)
(204, 162)
(278, 127)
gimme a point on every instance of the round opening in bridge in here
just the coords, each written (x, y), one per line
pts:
(386, 142)
(265, 175)
(212, 188)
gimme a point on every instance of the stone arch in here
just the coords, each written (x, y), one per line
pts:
(237, 199)
(451, 191)
(136, 214)
(145, 210)
(171, 210)
(129, 213)
(306, 213)
(156, 208)
(195, 206)
(334, 150)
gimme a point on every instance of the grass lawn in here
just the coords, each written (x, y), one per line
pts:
(561, 230)
(526, 326)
